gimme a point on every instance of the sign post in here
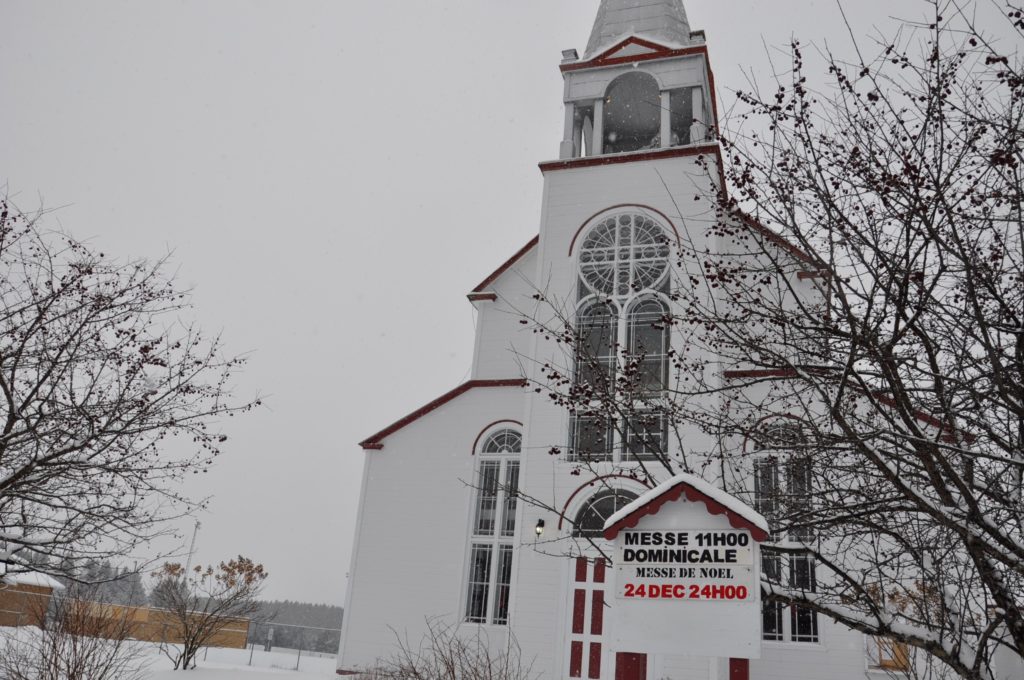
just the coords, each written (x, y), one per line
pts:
(687, 572)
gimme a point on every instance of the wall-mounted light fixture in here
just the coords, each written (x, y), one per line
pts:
(539, 529)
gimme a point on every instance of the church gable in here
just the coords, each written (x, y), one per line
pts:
(633, 49)
(375, 442)
(633, 46)
(486, 289)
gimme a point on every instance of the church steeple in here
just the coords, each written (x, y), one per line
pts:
(643, 84)
(663, 21)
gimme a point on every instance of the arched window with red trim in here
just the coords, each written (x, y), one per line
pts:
(493, 530)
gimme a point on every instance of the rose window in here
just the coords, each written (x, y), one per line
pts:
(624, 254)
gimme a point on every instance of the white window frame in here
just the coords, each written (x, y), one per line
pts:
(618, 432)
(777, 458)
(620, 494)
(495, 536)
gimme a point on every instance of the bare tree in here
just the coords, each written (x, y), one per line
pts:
(866, 287)
(82, 638)
(203, 602)
(444, 654)
(99, 371)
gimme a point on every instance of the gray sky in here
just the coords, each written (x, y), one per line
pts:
(332, 178)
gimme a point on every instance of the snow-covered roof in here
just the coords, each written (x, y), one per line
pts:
(740, 515)
(33, 578)
(663, 21)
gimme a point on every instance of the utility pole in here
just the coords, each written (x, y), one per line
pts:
(192, 548)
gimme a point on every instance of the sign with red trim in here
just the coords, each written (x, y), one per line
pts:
(711, 565)
(686, 570)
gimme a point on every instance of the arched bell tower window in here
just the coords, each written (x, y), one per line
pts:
(622, 330)
(632, 113)
(589, 521)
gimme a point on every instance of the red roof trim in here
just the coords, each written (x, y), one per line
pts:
(374, 442)
(736, 374)
(505, 267)
(661, 52)
(477, 297)
(674, 493)
(657, 154)
(759, 373)
(930, 420)
(631, 40)
(775, 238)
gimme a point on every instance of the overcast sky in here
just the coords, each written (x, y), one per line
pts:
(332, 178)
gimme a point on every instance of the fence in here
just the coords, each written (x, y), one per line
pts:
(27, 605)
(152, 624)
(289, 646)
(268, 644)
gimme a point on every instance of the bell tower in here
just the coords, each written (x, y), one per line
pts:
(643, 83)
(634, 183)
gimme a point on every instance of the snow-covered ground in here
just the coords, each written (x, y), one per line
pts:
(234, 664)
(225, 673)
(223, 664)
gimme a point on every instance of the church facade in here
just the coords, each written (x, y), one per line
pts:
(517, 486)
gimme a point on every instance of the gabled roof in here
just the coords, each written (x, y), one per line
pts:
(948, 433)
(777, 239)
(482, 291)
(375, 442)
(32, 578)
(695, 489)
(663, 21)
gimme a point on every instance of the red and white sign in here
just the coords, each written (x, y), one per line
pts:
(714, 565)
(686, 571)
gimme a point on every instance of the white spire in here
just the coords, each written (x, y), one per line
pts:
(659, 20)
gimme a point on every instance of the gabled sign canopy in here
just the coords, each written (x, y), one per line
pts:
(718, 502)
(687, 572)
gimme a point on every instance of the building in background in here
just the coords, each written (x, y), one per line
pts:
(25, 598)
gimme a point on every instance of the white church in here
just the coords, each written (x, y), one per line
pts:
(524, 498)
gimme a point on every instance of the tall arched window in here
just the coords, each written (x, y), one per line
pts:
(648, 340)
(494, 528)
(622, 345)
(598, 327)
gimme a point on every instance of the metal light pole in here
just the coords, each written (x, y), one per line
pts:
(192, 548)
